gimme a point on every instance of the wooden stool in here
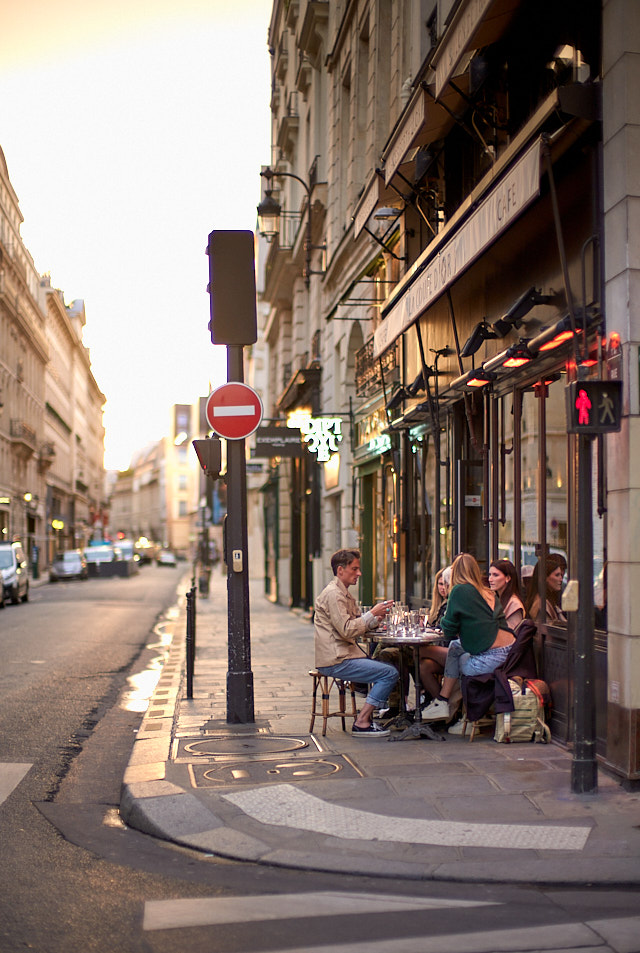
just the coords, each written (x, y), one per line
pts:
(326, 683)
(477, 726)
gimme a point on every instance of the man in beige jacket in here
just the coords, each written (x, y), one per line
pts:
(338, 624)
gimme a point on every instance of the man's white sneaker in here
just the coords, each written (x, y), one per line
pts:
(438, 710)
(457, 728)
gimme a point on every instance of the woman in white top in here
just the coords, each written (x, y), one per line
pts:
(503, 579)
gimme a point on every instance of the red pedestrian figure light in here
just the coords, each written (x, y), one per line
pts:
(583, 406)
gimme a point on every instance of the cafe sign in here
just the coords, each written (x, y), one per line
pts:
(323, 435)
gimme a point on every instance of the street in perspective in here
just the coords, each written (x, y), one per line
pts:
(319, 535)
(136, 818)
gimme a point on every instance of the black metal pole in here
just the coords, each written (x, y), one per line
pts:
(191, 639)
(584, 768)
(239, 674)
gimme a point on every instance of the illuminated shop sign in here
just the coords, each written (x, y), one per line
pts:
(380, 444)
(323, 435)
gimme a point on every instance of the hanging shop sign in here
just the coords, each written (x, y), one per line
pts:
(323, 435)
(507, 200)
(277, 442)
(594, 407)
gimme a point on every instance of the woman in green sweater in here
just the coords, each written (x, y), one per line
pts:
(475, 615)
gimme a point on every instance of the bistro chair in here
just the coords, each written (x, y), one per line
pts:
(326, 683)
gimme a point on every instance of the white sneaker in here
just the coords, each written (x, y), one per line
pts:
(438, 710)
(457, 728)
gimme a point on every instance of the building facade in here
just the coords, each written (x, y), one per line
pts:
(72, 456)
(51, 431)
(458, 188)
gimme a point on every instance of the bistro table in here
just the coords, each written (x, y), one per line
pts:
(418, 728)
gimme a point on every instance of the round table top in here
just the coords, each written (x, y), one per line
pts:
(428, 635)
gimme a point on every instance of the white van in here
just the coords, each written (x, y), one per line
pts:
(13, 566)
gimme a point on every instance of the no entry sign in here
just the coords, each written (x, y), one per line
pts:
(234, 410)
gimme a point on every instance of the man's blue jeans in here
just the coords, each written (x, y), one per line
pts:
(380, 675)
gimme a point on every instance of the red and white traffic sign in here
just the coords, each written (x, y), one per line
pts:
(234, 410)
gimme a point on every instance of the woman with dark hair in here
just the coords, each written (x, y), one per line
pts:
(503, 579)
(554, 567)
(475, 615)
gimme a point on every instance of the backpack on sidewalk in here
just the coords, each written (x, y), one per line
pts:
(527, 721)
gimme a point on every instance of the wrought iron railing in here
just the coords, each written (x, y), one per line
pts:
(369, 370)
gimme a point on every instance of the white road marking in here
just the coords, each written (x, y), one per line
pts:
(286, 806)
(171, 914)
(10, 777)
(237, 410)
(618, 935)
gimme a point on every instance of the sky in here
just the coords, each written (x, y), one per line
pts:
(131, 129)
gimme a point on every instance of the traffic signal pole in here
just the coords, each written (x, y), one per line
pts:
(584, 767)
(233, 322)
(239, 674)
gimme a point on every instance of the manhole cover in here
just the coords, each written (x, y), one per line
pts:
(222, 746)
(277, 772)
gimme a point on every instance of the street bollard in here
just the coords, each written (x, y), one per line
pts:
(191, 639)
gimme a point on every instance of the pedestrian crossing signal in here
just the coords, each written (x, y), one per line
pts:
(594, 406)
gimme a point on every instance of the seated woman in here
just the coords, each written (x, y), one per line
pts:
(474, 613)
(555, 566)
(503, 579)
(433, 657)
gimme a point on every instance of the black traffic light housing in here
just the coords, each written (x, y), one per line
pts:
(594, 406)
(209, 452)
(232, 288)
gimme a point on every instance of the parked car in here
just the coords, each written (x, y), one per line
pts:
(166, 558)
(68, 565)
(100, 553)
(146, 550)
(128, 550)
(13, 566)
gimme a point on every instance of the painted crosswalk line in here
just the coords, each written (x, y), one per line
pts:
(170, 914)
(287, 806)
(616, 935)
(10, 777)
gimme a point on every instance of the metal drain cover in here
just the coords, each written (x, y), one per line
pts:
(224, 746)
(268, 770)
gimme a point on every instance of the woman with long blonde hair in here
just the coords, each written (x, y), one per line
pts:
(438, 598)
(474, 620)
(433, 657)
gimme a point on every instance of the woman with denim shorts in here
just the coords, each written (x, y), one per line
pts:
(481, 639)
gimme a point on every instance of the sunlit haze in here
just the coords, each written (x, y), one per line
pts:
(131, 129)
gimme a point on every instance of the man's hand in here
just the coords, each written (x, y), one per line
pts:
(381, 609)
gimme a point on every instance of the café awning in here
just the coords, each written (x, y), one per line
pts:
(424, 121)
(375, 194)
(477, 23)
(436, 271)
